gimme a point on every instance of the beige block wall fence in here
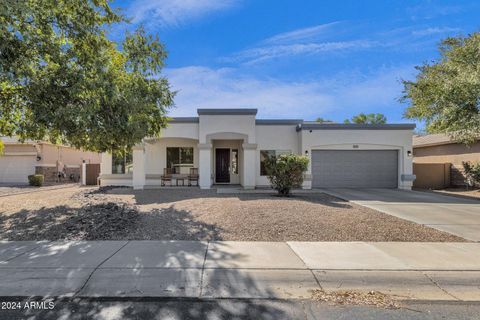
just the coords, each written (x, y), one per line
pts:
(453, 154)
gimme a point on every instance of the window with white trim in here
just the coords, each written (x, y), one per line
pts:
(179, 156)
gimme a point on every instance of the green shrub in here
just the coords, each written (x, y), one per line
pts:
(286, 172)
(472, 172)
(35, 180)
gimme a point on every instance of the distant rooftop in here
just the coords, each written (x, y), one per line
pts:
(432, 140)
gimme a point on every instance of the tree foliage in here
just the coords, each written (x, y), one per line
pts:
(63, 80)
(371, 118)
(286, 172)
(446, 92)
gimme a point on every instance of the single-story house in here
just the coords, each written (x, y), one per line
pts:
(19, 160)
(441, 149)
(229, 146)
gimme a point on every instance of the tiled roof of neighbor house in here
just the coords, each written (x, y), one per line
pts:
(431, 140)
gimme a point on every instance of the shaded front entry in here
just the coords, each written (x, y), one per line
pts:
(222, 165)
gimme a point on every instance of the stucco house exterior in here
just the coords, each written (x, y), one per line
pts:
(19, 160)
(228, 147)
(441, 149)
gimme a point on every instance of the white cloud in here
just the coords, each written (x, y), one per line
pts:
(435, 30)
(258, 54)
(300, 34)
(337, 97)
(167, 13)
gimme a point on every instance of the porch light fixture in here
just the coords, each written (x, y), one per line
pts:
(306, 153)
(409, 153)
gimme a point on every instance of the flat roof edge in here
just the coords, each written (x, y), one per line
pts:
(227, 111)
(278, 121)
(354, 126)
(184, 120)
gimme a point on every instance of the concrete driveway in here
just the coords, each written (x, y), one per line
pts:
(454, 215)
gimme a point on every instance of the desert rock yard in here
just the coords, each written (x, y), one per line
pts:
(75, 213)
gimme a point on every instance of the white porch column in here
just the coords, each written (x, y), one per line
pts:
(249, 165)
(205, 165)
(138, 166)
(83, 169)
(106, 163)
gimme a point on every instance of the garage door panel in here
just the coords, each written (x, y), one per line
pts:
(16, 169)
(355, 168)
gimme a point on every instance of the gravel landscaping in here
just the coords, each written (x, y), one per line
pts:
(193, 214)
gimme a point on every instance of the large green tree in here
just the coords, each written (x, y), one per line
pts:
(63, 79)
(446, 92)
(370, 118)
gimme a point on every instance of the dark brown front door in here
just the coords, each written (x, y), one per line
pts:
(222, 165)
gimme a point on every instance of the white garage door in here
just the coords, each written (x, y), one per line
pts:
(355, 168)
(15, 169)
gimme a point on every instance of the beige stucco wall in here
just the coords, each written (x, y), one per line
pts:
(274, 137)
(180, 130)
(242, 124)
(19, 148)
(68, 156)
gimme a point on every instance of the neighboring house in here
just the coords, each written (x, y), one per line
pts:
(19, 160)
(440, 149)
(229, 147)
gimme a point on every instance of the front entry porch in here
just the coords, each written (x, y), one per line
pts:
(227, 160)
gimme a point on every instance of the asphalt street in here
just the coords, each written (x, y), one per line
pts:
(215, 309)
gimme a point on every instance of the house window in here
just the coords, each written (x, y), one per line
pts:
(265, 154)
(122, 162)
(235, 161)
(177, 157)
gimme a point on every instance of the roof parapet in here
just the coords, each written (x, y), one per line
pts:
(233, 112)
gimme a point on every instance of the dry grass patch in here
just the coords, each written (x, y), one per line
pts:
(351, 297)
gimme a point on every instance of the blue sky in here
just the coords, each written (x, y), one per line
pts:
(297, 59)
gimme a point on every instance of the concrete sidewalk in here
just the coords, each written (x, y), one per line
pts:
(427, 271)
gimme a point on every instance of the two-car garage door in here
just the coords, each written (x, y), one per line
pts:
(355, 168)
(16, 169)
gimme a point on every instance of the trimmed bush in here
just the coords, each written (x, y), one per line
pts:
(35, 180)
(472, 173)
(285, 172)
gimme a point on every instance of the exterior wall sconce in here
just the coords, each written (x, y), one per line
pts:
(306, 153)
(409, 153)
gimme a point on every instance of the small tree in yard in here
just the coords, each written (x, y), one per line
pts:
(286, 172)
(472, 172)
